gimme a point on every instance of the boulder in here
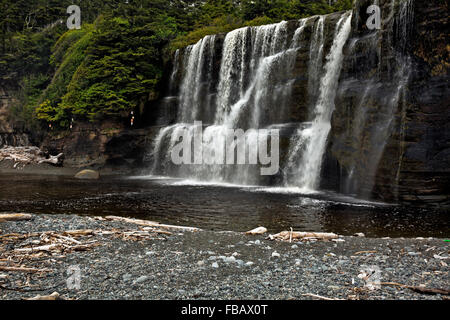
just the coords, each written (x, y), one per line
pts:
(87, 175)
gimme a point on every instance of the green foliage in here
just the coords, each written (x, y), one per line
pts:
(217, 16)
(218, 25)
(123, 64)
(31, 88)
(115, 62)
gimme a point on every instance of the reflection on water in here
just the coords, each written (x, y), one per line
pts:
(217, 207)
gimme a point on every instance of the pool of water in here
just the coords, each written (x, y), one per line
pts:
(218, 206)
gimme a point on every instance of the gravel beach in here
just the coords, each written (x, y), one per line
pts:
(220, 265)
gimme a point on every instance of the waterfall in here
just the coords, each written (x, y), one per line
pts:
(253, 92)
(196, 84)
(300, 76)
(379, 98)
(314, 138)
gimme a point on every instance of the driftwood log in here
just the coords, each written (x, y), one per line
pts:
(256, 231)
(28, 155)
(418, 289)
(14, 217)
(148, 223)
(293, 235)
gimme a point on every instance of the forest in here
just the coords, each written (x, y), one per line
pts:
(115, 62)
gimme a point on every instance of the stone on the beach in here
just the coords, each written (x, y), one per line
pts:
(88, 175)
(141, 279)
(127, 277)
(256, 231)
(200, 263)
(275, 254)
(229, 259)
(215, 265)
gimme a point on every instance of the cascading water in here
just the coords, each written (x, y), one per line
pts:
(378, 98)
(313, 139)
(248, 79)
(253, 92)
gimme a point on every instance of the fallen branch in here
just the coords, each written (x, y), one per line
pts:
(49, 247)
(362, 252)
(23, 269)
(51, 160)
(27, 155)
(417, 289)
(320, 297)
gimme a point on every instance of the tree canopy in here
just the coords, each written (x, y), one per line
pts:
(115, 62)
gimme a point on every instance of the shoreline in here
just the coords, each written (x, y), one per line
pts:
(176, 264)
(7, 167)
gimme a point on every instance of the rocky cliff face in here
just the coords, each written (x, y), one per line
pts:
(109, 145)
(389, 135)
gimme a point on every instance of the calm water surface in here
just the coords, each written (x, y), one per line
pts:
(217, 207)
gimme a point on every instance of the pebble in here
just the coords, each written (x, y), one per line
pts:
(133, 277)
(275, 255)
(127, 277)
(200, 263)
(239, 262)
(230, 259)
(140, 279)
(294, 246)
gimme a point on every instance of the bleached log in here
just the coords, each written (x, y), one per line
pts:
(152, 229)
(14, 217)
(49, 247)
(52, 159)
(257, 231)
(53, 296)
(148, 223)
(288, 235)
(76, 233)
(67, 238)
(27, 155)
(23, 269)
